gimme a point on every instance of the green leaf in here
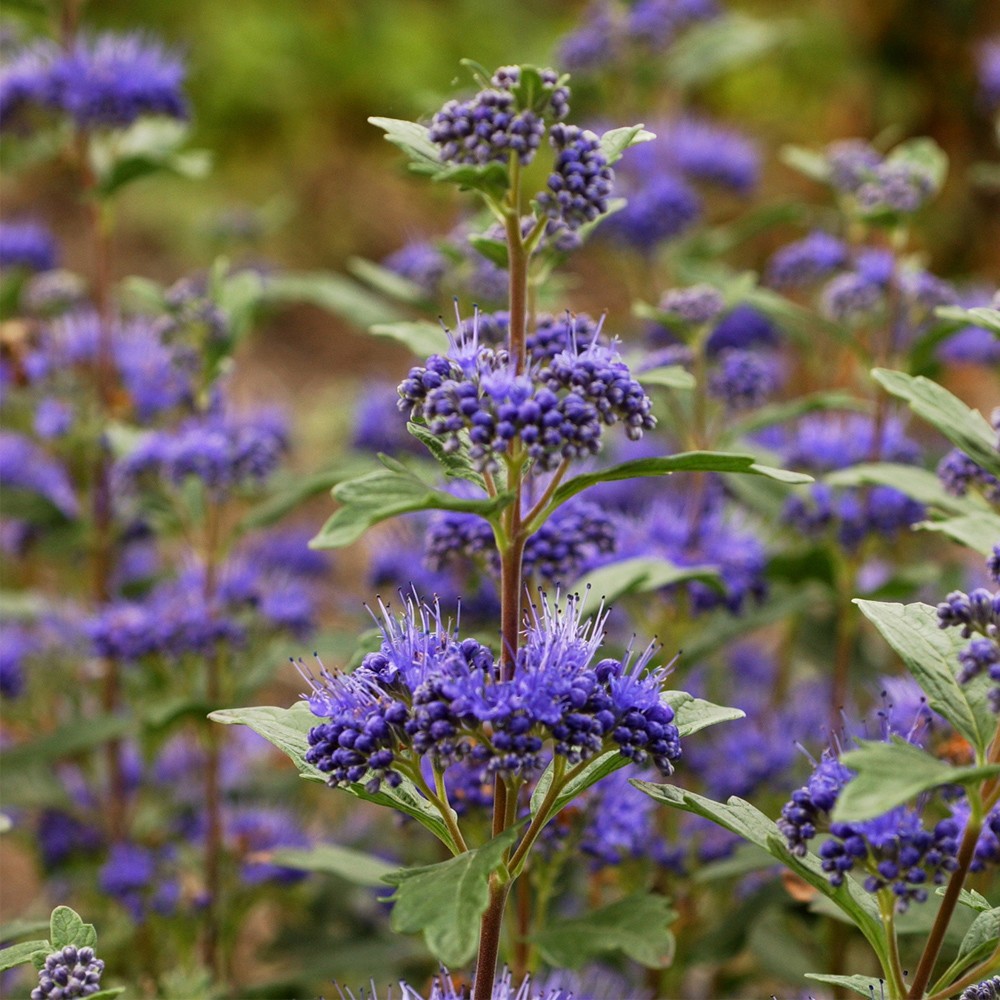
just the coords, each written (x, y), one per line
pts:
(617, 140)
(18, 954)
(335, 294)
(920, 484)
(978, 531)
(446, 900)
(69, 739)
(983, 934)
(807, 162)
(965, 428)
(492, 179)
(288, 729)
(420, 336)
(968, 897)
(493, 250)
(713, 48)
(931, 654)
(412, 139)
(455, 465)
(385, 493)
(303, 488)
(748, 822)
(745, 859)
(689, 461)
(889, 774)
(987, 318)
(637, 926)
(66, 927)
(691, 714)
(385, 281)
(151, 146)
(671, 376)
(20, 928)
(639, 574)
(864, 985)
(331, 859)
(115, 991)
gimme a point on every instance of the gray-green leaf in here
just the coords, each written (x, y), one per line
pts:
(446, 900)
(66, 927)
(637, 926)
(331, 859)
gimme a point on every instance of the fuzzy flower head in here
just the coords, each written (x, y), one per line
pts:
(26, 246)
(110, 81)
(580, 185)
(429, 693)
(69, 972)
(557, 409)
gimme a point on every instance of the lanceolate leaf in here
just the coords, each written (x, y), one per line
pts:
(694, 714)
(336, 294)
(454, 464)
(748, 822)
(420, 336)
(978, 532)
(963, 427)
(920, 484)
(670, 376)
(288, 730)
(387, 282)
(690, 461)
(330, 859)
(864, 985)
(446, 900)
(639, 574)
(412, 138)
(385, 493)
(17, 954)
(636, 926)
(931, 653)
(889, 774)
(780, 413)
(69, 739)
(983, 934)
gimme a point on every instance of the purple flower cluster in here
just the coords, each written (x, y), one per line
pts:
(26, 246)
(489, 128)
(693, 306)
(877, 185)
(70, 972)
(806, 261)
(430, 694)
(744, 379)
(25, 466)
(573, 536)
(142, 879)
(977, 614)
(810, 806)
(989, 73)
(105, 81)
(959, 473)
(988, 989)
(420, 262)
(225, 452)
(580, 185)
(557, 410)
(897, 852)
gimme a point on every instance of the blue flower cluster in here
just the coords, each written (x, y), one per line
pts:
(977, 614)
(493, 125)
(142, 879)
(557, 410)
(824, 443)
(988, 989)
(70, 972)
(877, 184)
(894, 850)
(26, 466)
(574, 534)
(27, 246)
(959, 473)
(806, 261)
(224, 451)
(430, 694)
(743, 380)
(580, 185)
(107, 81)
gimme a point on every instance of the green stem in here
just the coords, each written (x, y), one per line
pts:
(886, 906)
(976, 975)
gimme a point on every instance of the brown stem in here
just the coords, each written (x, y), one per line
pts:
(489, 940)
(522, 946)
(966, 852)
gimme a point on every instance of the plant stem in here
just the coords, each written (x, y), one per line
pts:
(973, 976)
(489, 939)
(897, 985)
(935, 939)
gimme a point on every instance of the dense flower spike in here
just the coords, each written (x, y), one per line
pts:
(70, 972)
(430, 694)
(579, 187)
(557, 409)
(486, 129)
(26, 245)
(110, 81)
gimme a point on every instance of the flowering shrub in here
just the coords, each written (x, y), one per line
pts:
(720, 470)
